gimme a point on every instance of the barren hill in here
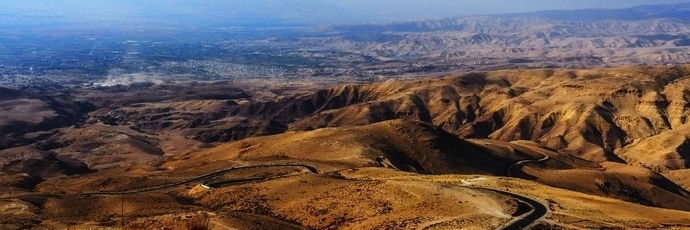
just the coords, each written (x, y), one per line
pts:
(547, 142)
(395, 174)
(564, 137)
(424, 148)
(8, 94)
(22, 117)
(655, 34)
(591, 114)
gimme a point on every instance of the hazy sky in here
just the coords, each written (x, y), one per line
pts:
(310, 11)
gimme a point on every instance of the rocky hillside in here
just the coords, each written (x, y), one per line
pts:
(599, 114)
(23, 117)
(589, 113)
(577, 38)
(423, 148)
(617, 133)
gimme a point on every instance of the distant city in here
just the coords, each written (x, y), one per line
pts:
(42, 55)
(84, 59)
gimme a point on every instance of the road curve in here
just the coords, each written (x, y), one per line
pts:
(528, 219)
(523, 162)
(216, 184)
(312, 169)
(538, 211)
(524, 221)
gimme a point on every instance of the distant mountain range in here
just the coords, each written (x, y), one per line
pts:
(654, 34)
(271, 13)
(669, 11)
(677, 11)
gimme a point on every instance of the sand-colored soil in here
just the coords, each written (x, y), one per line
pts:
(602, 148)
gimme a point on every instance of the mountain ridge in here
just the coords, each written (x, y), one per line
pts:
(578, 139)
(676, 11)
(587, 113)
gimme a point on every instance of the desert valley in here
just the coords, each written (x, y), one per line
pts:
(600, 148)
(470, 123)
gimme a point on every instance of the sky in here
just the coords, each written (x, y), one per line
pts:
(449, 8)
(171, 12)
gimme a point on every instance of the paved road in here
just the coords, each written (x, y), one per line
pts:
(216, 184)
(524, 221)
(523, 162)
(538, 211)
(528, 219)
(311, 169)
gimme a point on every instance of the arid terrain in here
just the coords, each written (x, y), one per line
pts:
(344, 114)
(548, 148)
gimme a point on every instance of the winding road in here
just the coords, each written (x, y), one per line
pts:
(523, 162)
(539, 210)
(311, 169)
(526, 220)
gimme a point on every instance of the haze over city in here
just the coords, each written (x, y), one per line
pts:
(236, 12)
(344, 114)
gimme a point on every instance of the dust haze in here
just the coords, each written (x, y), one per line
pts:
(158, 13)
(355, 114)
